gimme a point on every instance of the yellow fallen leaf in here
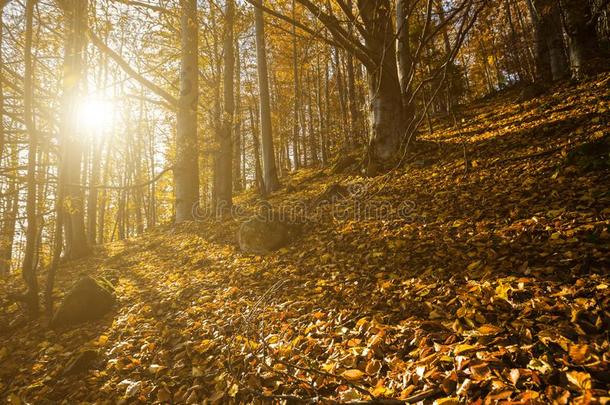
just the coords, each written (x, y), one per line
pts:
(489, 330)
(473, 265)
(579, 380)
(233, 390)
(352, 374)
(447, 401)
(197, 372)
(463, 348)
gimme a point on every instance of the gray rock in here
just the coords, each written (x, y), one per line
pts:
(263, 233)
(88, 300)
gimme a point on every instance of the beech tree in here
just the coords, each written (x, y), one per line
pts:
(269, 169)
(186, 167)
(580, 25)
(75, 26)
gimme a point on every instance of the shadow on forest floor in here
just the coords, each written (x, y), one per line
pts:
(491, 269)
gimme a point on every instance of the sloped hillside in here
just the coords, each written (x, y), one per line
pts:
(476, 272)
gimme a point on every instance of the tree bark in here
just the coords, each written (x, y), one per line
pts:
(387, 114)
(403, 49)
(269, 169)
(551, 61)
(258, 171)
(75, 14)
(237, 144)
(296, 107)
(580, 27)
(31, 244)
(223, 163)
(186, 168)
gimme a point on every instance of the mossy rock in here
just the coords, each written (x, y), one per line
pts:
(332, 194)
(88, 300)
(264, 233)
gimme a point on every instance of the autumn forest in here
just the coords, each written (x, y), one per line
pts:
(297, 201)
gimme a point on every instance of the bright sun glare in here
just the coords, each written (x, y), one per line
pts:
(95, 115)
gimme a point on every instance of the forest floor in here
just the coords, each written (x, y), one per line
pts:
(479, 282)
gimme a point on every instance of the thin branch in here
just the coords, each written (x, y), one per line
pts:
(130, 71)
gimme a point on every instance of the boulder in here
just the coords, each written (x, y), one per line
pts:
(333, 193)
(88, 300)
(263, 234)
(81, 362)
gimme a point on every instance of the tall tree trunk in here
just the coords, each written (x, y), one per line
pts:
(321, 116)
(313, 141)
(403, 49)
(151, 221)
(296, 107)
(75, 14)
(9, 220)
(269, 170)
(354, 113)
(186, 168)
(258, 171)
(237, 144)
(6, 232)
(580, 27)
(223, 163)
(387, 118)
(551, 61)
(92, 198)
(349, 141)
(327, 136)
(31, 245)
(2, 134)
(514, 39)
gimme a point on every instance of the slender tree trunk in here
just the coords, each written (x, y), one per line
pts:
(186, 168)
(258, 171)
(29, 264)
(237, 173)
(223, 163)
(313, 141)
(138, 178)
(2, 140)
(92, 198)
(152, 197)
(514, 40)
(296, 107)
(75, 14)
(352, 97)
(7, 232)
(270, 171)
(326, 137)
(323, 123)
(9, 220)
(349, 141)
(530, 57)
(103, 200)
